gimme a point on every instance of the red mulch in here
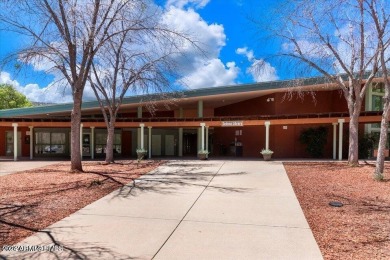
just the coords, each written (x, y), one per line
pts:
(358, 230)
(34, 199)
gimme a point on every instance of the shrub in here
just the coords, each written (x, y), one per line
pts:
(366, 146)
(315, 139)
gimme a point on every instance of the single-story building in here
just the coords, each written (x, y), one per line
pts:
(237, 120)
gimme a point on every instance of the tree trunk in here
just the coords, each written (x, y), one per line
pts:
(380, 159)
(75, 155)
(110, 143)
(353, 153)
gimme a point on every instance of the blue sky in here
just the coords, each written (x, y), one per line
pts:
(233, 46)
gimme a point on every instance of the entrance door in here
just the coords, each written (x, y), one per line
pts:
(9, 148)
(169, 145)
(189, 144)
(87, 144)
(156, 145)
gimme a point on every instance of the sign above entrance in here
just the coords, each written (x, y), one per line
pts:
(232, 123)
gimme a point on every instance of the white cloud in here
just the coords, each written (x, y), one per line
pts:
(187, 3)
(248, 53)
(262, 71)
(214, 73)
(259, 69)
(55, 92)
(201, 68)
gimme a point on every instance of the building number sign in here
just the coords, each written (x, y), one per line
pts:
(232, 123)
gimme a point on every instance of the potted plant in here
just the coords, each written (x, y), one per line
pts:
(267, 154)
(141, 153)
(203, 154)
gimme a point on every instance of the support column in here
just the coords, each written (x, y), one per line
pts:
(202, 125)
(200, 108)
(180, 146)
(341, 121)
(207, 140)
(180, 152)
(92, 142)
(150, 141)
(267, 124)
(334, 141)
(81, 141)
(15, 125)
(199, 141)
(31, 142)
(139, 112)
(138, 138)
(142, 135)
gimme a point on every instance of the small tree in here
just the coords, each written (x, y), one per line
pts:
(137, 60)
(336, 39)
(65, 36)
(380, 13)
(11, 98)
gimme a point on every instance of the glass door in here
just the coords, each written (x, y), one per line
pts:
(87, 144)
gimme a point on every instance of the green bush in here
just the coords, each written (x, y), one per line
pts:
(366, 146)
(315, 139)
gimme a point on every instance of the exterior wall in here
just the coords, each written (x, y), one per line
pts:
(126, 143)
(256, 106)
(3, 140)
(325, 102)
(252, 139)
(25, 146)
(284, 142)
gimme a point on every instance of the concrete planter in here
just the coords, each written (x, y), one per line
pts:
(141, 155)
(202, 156)
(267, 156)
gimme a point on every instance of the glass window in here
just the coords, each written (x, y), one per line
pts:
(50, 143)
(117, 139)
(57, 138)
(378, 88)
(9, 150)
(101, 140)
(377, 103)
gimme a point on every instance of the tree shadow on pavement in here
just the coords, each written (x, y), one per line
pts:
(45, 245)
(168, 182)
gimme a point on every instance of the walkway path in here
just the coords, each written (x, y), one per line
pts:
(191, 210)
(8, 166)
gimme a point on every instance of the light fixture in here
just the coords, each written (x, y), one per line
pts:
(270, 99)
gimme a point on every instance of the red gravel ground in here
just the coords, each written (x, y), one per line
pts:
(358, 230)
(35, 199)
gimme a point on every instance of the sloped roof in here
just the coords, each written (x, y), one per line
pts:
(195, 93)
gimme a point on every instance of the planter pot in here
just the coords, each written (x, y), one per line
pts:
(202, 156)
(141, 156)
(267, 157)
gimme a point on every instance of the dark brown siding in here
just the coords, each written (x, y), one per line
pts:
(324, 102)
(126, 143)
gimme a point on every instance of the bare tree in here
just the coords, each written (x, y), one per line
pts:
(65, 36)
(137, 60)
(336, 39)
(380, 13)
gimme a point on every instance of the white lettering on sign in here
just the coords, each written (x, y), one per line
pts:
(232, 123)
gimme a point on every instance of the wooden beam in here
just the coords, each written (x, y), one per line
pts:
(179, 124)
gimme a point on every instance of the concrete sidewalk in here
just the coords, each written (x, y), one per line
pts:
(9, 166)
(189, 210)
